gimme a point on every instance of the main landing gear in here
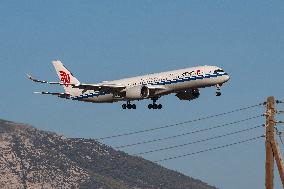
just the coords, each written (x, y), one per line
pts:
(154, 105)
(218, 93)
(128, 105)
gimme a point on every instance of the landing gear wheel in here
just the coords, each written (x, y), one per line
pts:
(129, 106)
(218, 93)
(124, 106)
(155, 106)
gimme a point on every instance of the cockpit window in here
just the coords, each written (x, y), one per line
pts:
(218, 71)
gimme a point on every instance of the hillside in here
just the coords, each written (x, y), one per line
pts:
(31, 158)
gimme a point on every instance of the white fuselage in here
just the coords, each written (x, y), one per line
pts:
(170, 82)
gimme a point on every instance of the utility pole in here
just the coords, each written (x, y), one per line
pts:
(279, 160)
(271, 145)
(269, 137)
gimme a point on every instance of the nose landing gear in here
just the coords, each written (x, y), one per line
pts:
(218, 93)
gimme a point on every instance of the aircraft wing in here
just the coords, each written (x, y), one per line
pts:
(98, 87)
(95, 87)
(60, 95)
(156, 89)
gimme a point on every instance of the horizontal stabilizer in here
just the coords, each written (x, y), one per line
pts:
(43, 81)
(60, 95)
(94, 87)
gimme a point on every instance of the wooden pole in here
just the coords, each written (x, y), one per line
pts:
(279, 160)
(269, 138)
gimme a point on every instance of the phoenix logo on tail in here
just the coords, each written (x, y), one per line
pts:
(65, 78)
(184, 83)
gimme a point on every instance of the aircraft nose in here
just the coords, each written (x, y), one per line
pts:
(227, 78)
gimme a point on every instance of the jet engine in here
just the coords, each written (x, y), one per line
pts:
(137, 92)
(188, 94)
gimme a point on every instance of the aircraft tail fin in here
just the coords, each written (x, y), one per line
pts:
(67, 78)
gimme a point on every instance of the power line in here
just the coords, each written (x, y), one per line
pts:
(199, 141)
(210, 149)
(181, 123)
(188, 133)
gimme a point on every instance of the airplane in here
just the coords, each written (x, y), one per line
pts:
(184, 83)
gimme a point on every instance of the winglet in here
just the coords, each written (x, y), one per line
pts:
(35, 80)
(30, 77)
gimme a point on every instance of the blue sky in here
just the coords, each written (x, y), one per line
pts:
(105, 40)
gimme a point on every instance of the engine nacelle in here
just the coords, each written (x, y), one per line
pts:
(188, 94)
(137, 92)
